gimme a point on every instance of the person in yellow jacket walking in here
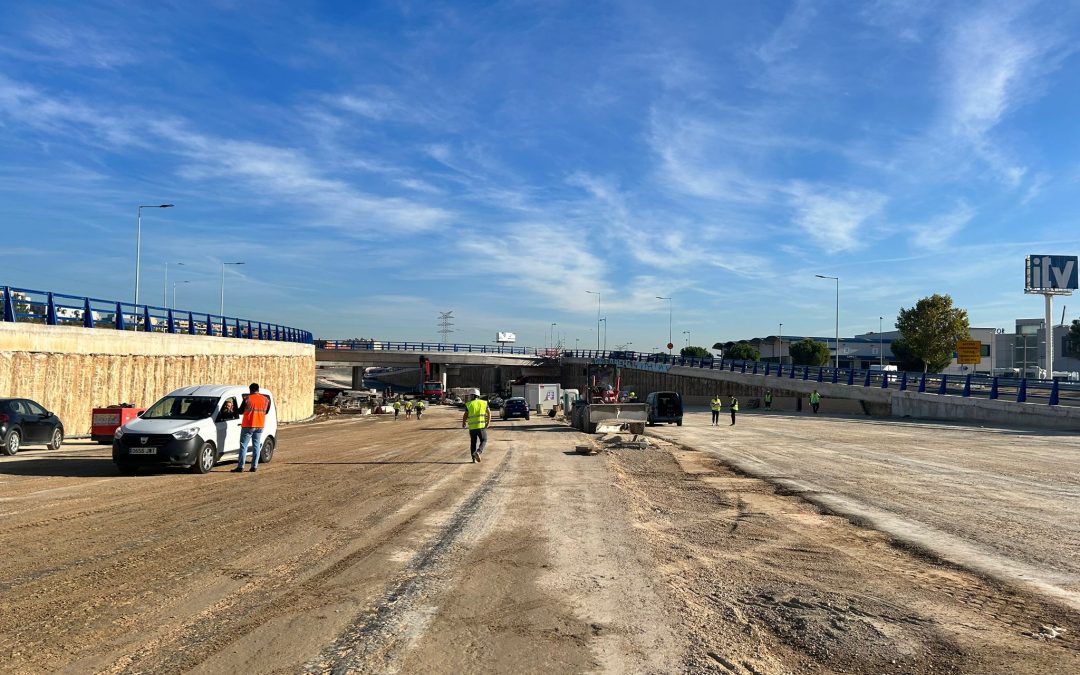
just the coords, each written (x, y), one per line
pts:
(815, 400)
(476, 418)
(734, 409)
(397, 409)
(715, 405)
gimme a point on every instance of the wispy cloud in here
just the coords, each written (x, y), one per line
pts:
(835, 218)
(937, 231)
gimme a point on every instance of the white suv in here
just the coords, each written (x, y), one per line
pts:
(188, 428)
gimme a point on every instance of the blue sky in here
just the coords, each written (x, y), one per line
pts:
(374, 163)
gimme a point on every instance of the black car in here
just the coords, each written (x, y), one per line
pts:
(26, 422)
(515, 407)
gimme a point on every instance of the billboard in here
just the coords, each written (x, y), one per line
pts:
(1050, 273)
(505, 337)
(969, 352)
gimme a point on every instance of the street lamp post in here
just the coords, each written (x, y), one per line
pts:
(668, 319)
(837, 280)
(780, 345)
(687, 334)
(174, 291)
(221, 307)
(605, 332)
(553, 324)
(881, 343)
(597, 294)
(138, 240)
(165, 291)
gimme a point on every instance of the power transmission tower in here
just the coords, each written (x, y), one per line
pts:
(446, 322)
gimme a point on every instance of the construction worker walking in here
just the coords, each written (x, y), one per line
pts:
(420, 405)
(408, 410)
(397, 409)
(476, 418)
(768, 399)
(715, 405)
(815, 400)
(734, 404)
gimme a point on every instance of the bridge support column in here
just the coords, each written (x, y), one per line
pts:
(358, 377)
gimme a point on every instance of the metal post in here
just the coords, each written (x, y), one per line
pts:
(1049, 333)
(138, 241)
(780, 344)
(881, 342)
(221, 307)
(837, 280)
(597, 294)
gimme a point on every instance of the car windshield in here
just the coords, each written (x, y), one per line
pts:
(182, 408)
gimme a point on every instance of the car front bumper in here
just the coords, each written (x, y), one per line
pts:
(173, 453)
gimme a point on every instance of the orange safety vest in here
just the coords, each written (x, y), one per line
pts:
(255, 410)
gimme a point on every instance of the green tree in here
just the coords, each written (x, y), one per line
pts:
(901, 351)
(719, 346)
(931, 330)
(742, 351)
(1074, 337)
(807, 352)
(695, 352)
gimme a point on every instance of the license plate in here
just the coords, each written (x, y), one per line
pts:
(142, 451)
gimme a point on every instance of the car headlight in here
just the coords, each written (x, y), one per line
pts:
(186, 434)
(118, 433)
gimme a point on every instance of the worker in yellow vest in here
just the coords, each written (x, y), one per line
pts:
(815, 400)
(715, 405)
(420, 405)
(476, 418)
(734, 409)
(397, 409)
(408, 410)
(768, 399)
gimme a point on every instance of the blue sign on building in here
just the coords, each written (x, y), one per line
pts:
(1050, 272)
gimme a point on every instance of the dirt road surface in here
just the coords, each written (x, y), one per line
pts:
(370, 545)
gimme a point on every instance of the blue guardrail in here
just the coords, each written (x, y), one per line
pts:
(25, 305)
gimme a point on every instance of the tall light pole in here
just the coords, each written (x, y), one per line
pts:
(687, 334)
(138, 240)
(165, 291)
(174, 291)
(221, 308)
(668, 320)
(605, 332)
(837, 280)
(780, 346)
(597, 294)
(880, 342)
(553, 324)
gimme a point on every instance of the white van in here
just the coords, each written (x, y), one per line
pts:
(188, 428)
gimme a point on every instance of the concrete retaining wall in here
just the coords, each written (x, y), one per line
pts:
(72, 370)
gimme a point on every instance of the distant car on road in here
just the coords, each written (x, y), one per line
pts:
(515, 406)
(26, 422)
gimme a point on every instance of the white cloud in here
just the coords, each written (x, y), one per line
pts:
(937, 231)
(788, 34)
(835, 218)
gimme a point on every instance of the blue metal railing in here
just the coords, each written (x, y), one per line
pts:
(1020, 390)
(378, 345)
(59, 309)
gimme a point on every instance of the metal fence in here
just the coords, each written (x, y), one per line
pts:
(24, 305)
(1020, 390)
(377, 345)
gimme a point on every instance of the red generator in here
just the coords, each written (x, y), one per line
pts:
(107, 420)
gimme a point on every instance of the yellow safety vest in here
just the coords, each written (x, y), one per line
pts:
(815, 397)
(478, 413)
(735, 404)
(397, 405)
(768, 397)
(717, 404)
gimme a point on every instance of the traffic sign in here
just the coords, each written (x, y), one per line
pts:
(969, 352)
(670, 346)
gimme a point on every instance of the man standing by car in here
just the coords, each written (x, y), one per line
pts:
(254, 408)
(476, 417)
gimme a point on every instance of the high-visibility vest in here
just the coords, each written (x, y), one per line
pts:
(478, 413)
(397, 405)
(408, 405)
(734, 404)
(768, 397)
(717, 404)
(815, 397)
(420, 405)
(255, 410)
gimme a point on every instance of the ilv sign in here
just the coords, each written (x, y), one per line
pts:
(1050, 275)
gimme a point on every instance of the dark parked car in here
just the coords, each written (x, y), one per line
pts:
(515, 407)
(26, 422)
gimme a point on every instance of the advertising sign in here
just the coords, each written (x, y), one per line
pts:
(969, 352)
(502, 338)
(1050, 273)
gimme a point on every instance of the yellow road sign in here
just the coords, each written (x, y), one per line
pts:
(969, 352)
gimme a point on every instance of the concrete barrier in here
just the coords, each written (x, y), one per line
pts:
(72, 370)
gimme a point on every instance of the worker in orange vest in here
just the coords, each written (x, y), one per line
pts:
(254, 408)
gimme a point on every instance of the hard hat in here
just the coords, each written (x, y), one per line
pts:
(474, 392)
